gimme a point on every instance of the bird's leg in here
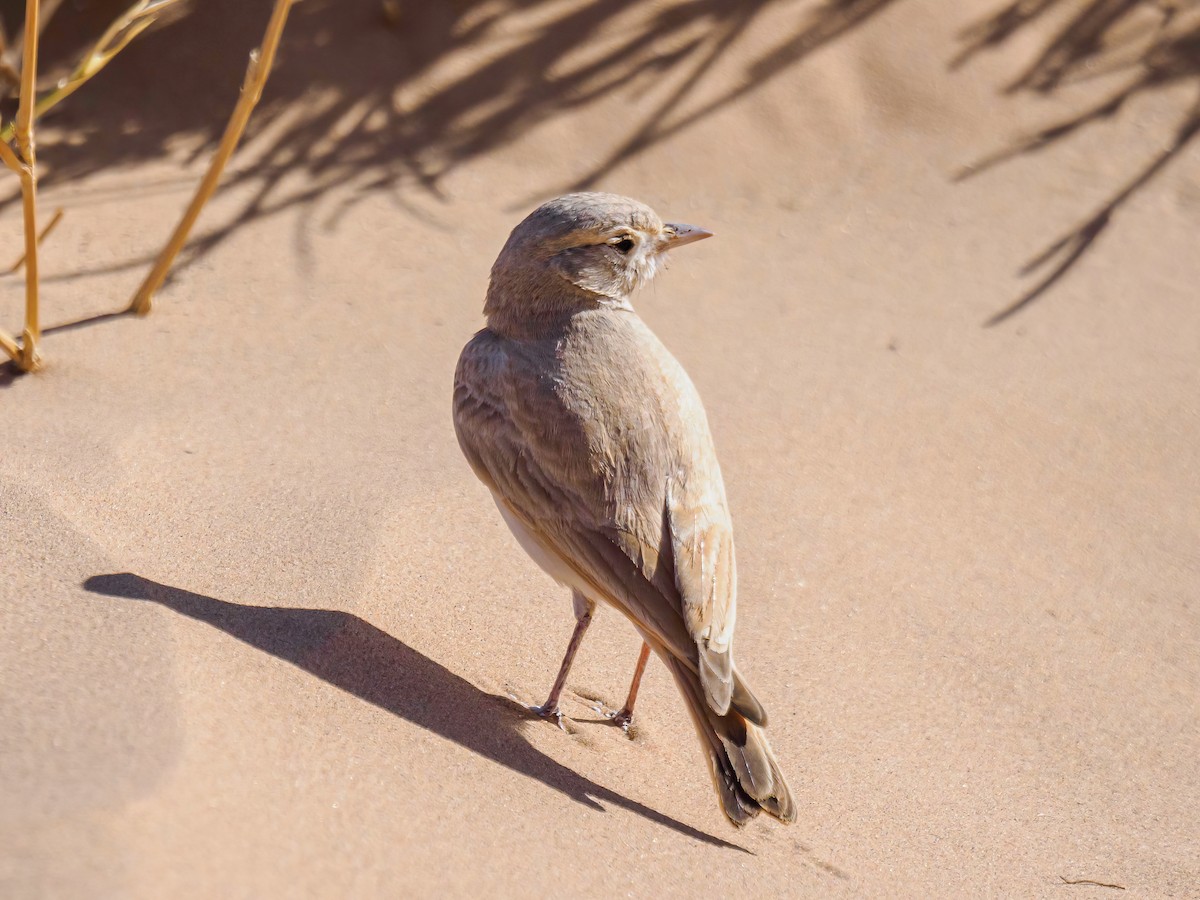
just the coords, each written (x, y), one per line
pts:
(583, 618)
(625, 716)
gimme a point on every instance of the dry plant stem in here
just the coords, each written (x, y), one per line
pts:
(8, 345)
(133, 22)
(256, 77)
(27, 357)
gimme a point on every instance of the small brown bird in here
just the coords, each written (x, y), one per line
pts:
(597, 451)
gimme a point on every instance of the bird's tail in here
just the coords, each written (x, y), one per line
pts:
(743, 768)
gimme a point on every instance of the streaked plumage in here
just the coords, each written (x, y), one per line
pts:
(597, 450)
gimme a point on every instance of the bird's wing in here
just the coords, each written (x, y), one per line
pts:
(648, 535)
(532, 454)
(706, 573)
(702, 550)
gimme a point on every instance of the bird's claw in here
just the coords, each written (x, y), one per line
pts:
(545, 711)
(622, 717)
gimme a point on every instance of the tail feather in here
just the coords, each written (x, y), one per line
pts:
(744, 770)
(724, 685)
(746, 703)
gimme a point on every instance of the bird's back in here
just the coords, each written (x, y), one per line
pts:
(602, 406)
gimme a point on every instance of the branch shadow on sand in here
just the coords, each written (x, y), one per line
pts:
(360, 659)
(362, 103)
(357, 104)
(1147, 45)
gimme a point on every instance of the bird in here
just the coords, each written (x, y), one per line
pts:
(597, 451)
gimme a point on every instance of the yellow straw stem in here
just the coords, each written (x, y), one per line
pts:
(29, 358)
(9, 345)
(256, 76)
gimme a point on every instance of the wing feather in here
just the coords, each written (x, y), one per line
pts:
(629, 495)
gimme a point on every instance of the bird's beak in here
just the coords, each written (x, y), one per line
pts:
(676, 235)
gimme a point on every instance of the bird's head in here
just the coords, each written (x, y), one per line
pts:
(579, 251)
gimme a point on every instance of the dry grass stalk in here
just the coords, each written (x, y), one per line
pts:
(256, 77)
(116, 37)
(23, 161)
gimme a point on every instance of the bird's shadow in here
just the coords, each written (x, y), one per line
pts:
(362, 660)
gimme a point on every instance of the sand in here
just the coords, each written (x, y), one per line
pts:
(264, 635)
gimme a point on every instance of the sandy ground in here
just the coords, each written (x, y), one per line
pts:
(262, 631)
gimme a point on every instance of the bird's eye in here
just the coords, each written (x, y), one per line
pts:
(625, 244)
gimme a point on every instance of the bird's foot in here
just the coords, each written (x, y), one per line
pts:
(548, 711)
(622, 717)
